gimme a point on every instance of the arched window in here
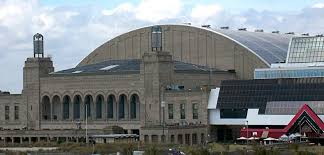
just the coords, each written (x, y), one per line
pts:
(121, 106)
(111, 102)
(76, 107)
(99, 102)
(66, 107)
(56, 107)
(88, 101)
(134, 106)
(46, 108)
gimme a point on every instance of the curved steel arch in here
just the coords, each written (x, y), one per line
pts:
(247, 41)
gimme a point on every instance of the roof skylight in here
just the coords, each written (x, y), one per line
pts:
(109, 67)
(75, 72)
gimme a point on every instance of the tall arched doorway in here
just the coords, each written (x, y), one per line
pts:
(111, 105)
(134, 106)
(99, 102)
(56, 107)
(122, 106)
(46, 108)
(76, 107)
(66, 107)
(88, 101)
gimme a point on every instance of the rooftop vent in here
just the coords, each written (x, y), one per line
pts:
(292, 33)
(206, 26)
(242, 29)
(224, 27)
(305, 34)
(275, 32)
(258, 30)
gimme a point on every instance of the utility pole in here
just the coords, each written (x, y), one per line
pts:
(247, 132)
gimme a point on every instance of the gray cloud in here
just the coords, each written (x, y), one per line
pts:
(71, 33)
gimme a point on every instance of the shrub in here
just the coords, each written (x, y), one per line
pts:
(152, 150)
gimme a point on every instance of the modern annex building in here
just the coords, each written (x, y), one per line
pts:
(153, 81)
(287, 98)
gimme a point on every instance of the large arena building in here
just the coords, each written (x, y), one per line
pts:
(153, 82)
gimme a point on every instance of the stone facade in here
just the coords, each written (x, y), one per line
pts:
(48, 101)
(141, 103)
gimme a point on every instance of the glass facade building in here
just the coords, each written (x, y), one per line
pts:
(236, 96)
(306, 49)
(289, 73)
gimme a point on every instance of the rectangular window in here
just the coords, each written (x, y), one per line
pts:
(180, 140)
(170, 111)
(7, 112)
(172, 139)
(187, 139)
(202, 139)
(182, 111)
(194, 111)
(194, 139)
(16, 112)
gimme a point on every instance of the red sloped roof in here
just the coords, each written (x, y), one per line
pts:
(310, 112)
(276, 133)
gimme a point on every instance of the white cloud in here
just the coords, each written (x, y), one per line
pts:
(149, 10)
(318, 5)
(156, 10)
(43, 21)
(204, 12)
(125, 7)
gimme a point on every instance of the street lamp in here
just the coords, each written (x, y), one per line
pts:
(247, 132)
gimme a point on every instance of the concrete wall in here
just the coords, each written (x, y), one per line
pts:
(12, 101)
(93, 85)
(188, 98)
(186, 79)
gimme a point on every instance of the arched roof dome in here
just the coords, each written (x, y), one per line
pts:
(268, 47)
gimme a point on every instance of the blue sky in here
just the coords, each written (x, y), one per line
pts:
(74, 28)
(274, 5)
